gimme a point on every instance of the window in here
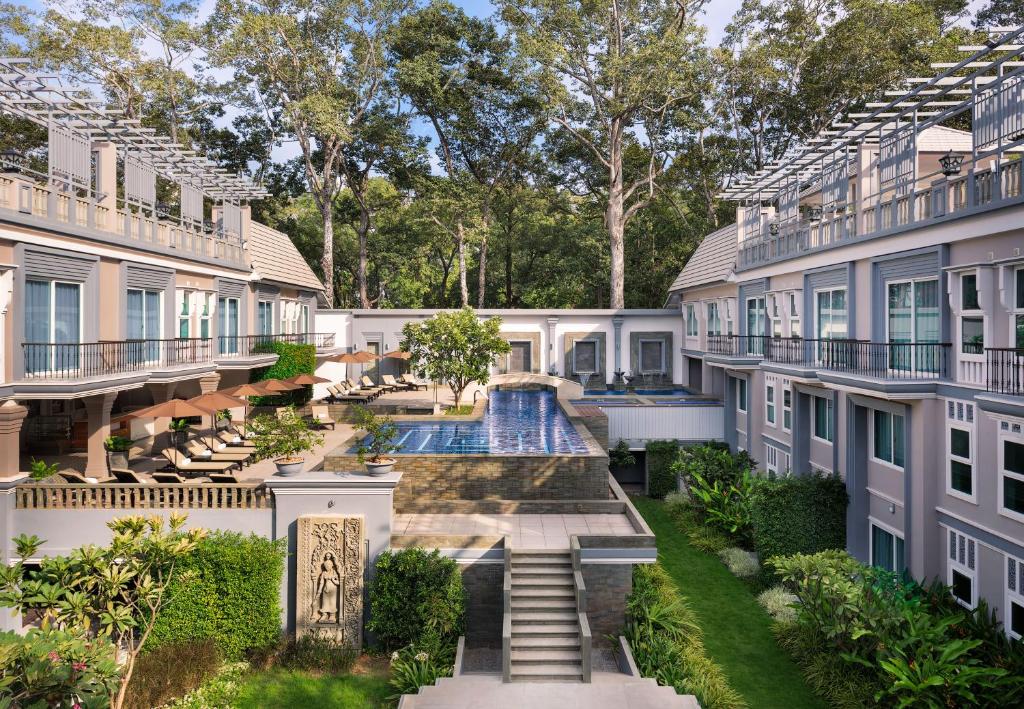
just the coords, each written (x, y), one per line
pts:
(1018, 306)
(823, 418)
(265, 318)
(227, 325)
(1011, 489)
(831, 321)
(204, 315)
(741, 395)
(913, 318)
(755, 325)
(961, 568)
(888, 438)
(776, 316)
(972, 321)
(584, 357)
(53, 316)
(794, 316)
(691, 320)
(1014, 621)
(787, 408)
(714, 322)
(886, 549)
(776, 460)
(769, 403)
(961, 465)
(144, 307)
(184, 313)
(652, 356)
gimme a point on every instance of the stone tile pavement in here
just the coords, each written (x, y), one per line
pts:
(526, 531)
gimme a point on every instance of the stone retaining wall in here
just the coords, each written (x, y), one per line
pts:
(608, 586)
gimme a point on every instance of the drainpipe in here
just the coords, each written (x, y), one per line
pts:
(617, 324)
(552, 360)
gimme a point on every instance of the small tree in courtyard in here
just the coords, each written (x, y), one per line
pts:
(456, 348)
(111, 593)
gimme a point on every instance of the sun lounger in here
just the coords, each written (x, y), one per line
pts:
(199, 451)
(223, 478)
(71, 476)
(411, 381)
(235, 441)
(321, 416)
(175, 479)
(339, 394)
(182, 463)
(368, 383)
(353, 388)
(399, 386)
(123, 475)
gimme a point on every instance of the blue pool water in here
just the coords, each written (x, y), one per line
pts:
(514, 422)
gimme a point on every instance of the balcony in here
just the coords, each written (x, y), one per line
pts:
(934, 201)
(49, 361)
(738, 346)
(1005, 370)
(242, 346)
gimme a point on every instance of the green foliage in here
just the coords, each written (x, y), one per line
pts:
(319, 653)
(178, 425)
(713, 462)
(620, 456)
(292, 359)
(40, 469)
(798, 515)
(739, 562)
(48, 667)
(665, 638)
(381, 431)
(228, 591)
(416, 598)
(412, 668)
(455, 348)
(218, 692)
(170, 672)
(285, 435)
(842, 685)
(725, 506)
(661, 480)
(920, 650)
(778, 602)
(113, 593)
(117, 443)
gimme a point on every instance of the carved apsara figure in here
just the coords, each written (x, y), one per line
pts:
(327, 593)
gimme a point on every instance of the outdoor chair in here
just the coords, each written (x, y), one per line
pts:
(70, 476)
(228, 478)
(175, 479)
(369, 390)
(368, 383)
(235, 441)
(130, 477)
(411, 381)
(399, 386)
(338, 394)
(182, 463)
(321, 417)
(199, 451)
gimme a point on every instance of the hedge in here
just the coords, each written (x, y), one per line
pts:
(799, 515)
(292, 359)
(227, 590)
(416, 597)
(661, 480)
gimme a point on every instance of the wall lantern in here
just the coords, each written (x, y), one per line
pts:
(14, 159)
(773, 228)
(951, 163)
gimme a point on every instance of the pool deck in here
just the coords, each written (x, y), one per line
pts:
(525, 531)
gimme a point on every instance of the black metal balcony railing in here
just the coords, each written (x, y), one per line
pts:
(1005, 370)
(49, 360)
(738, 345)
(250, 345)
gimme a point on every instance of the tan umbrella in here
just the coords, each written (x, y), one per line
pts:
(172, 408)
(357, 357)
(306, 379)
(245, 391)
(214, 402)
(400, 355)
(276, 386)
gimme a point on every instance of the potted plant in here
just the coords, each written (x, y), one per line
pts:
(284, 437)
(380, 432)
(223, 418)
(178, 429)
(117, 451)
(40, 469)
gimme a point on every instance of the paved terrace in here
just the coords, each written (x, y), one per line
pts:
(524, 531)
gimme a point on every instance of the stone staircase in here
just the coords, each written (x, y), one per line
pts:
(546, 643)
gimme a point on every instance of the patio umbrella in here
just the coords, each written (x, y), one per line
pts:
(307, 380)
(357, 357)
(214, 402)
(400, 355)
(244, 391)
(276, 386)
(172, 408)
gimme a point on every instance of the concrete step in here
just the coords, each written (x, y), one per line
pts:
(544, 617)
(543, 656)
(542, 604)
(540, 571)
(569, 641)
(541, 581)
(551, 673)
(534, 557)
(545, 630)
(548, 592)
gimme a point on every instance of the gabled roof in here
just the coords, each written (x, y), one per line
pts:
(274, 257)
(939, 139)
(712, 262)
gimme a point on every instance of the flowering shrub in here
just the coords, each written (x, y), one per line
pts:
(412, 668)
(50, 667)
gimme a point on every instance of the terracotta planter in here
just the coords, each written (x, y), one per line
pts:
(385, 466)
(289, 466)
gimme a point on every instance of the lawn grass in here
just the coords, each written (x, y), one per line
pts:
(287, 689)
(737, 631)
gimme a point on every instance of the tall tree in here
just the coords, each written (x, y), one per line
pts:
(1000, 13)
(468, 82)
(321, 64)
(616, 74)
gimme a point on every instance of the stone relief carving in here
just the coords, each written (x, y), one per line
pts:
(329, 577)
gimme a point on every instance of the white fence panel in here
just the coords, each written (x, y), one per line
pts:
(681, 423)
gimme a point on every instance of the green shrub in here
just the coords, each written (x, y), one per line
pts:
(292, 359)
(725, 506)
(778, 602)
(739, 562)
(842, 685)
(713, 462)
(318, 653)
(416, 598)
(229, 591)
(412, 668)
(171, 671)
(677, 503)
(798, 515)
(56, 668)
(219, 692)
(661, 479)
(666, 641)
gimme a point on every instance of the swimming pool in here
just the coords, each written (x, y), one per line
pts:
(514, 422)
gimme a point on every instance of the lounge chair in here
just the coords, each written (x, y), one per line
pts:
(200, 451)
(223, 478)
(179, 462)
(70, 476)
(321, 416)
(368, 383)
(338, 394)
(361, 389)
(399, 386)
(411, 381)
(175, 479)
(129, 477)
(235, 441)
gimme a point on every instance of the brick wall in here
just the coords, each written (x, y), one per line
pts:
(608, 585)
(494, 477)
(596, 421)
